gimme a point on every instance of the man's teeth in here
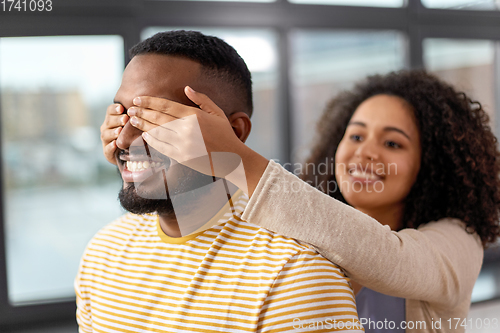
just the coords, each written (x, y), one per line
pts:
(362, 174)
(141, 165)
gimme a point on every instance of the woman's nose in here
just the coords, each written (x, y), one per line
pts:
(367, 150)
(128, 135)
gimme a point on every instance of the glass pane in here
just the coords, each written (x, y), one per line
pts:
(466, 64)
(232, 0)
(463, 4)
(487, 286)
(469, 65)
(58, 188)
(482, 316)
(326, 62)
(366, 3)
(263, 64)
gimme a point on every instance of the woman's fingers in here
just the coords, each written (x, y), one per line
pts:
(182, 138)
(167, 142)
(111, 128)
(160, 110)
(114, 109)
(151, 116)
(155, 103)
(163, 147)
(163, 106)
(112, 122)
(109, 135)
(109, 152)
(145, 125)
(175, 133)
(108, 138)
(203, 101)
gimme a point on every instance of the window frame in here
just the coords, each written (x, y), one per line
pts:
(128, 18)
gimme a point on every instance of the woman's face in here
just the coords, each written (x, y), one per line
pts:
(378, 159)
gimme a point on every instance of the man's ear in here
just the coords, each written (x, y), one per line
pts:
(241, 124)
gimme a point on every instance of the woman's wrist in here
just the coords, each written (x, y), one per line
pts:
(254, 165)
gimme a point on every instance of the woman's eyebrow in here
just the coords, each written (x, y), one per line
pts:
(357, 123)
(395, 129)
(386, 129)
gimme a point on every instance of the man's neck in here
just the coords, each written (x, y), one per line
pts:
(190, 215)
(169, 225)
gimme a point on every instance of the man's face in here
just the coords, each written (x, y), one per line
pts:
(146, 172)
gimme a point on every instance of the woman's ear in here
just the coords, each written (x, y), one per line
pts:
(241, 124)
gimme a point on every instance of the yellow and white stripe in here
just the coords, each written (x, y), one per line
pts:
(233, 277)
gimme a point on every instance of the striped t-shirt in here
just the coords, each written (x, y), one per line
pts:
(233, 277)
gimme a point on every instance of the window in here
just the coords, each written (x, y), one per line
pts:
(467, 64)
(264, 68)
(58, 188)
(369, 3)
(327, 62)
(463, 4)
(470, 66)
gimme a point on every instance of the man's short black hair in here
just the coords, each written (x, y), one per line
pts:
(220, 61)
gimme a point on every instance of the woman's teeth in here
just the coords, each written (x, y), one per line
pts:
(365, 175)
(135, 166)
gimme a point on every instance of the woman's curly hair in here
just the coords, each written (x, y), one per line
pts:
(460, 165)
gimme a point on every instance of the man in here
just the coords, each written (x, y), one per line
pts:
(146, 272)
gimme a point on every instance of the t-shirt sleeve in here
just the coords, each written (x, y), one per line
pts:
(83, 314)
(310, 294)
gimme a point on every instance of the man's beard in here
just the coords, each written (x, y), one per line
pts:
(134, 203)
(191, 188)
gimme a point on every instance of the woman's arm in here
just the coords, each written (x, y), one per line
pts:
(438, 263)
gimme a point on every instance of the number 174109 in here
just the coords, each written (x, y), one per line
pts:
(26, 5)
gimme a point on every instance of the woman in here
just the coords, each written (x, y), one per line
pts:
(415, 187)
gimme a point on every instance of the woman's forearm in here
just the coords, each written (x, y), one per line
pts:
(437, 263)
(254, 166)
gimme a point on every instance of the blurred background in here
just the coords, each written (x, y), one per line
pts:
(61, 64)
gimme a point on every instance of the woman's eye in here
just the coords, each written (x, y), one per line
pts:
(392, 144)
(356, 137)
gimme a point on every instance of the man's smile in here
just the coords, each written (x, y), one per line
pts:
(139, 167)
